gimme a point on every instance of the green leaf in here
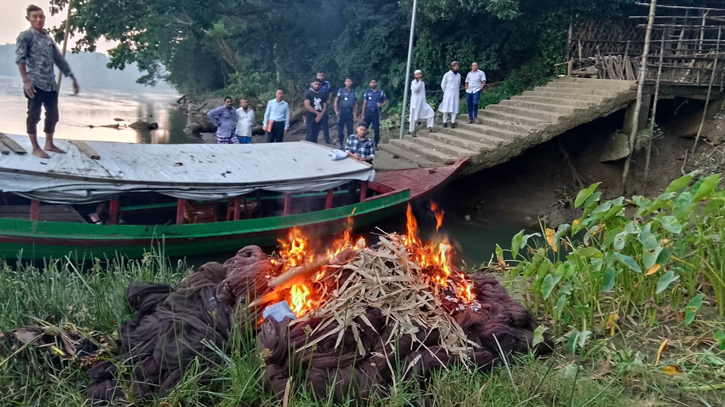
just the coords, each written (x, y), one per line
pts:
(590, 252)
(608, 282)
(692, 307)
(619, 240)
(665, 280)
(499, 252)
(584, 194)
(573, 341)
(671, 224)
(539, 335)
(548, 284)
(720, 338)
(679, 183)
(652, 250)
(560, 303)
(664, 256)
(563, 228)
(629, 262)
(706, 187)
(525, 239)
(516, 244)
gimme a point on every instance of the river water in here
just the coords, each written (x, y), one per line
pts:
(474, 239)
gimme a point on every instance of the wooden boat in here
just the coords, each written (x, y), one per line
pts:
(186, 200)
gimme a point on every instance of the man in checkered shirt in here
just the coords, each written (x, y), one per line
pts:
(359, 147)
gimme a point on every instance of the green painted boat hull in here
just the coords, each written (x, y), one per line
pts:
(37, 240)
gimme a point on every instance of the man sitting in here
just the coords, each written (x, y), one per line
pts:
(360, 148)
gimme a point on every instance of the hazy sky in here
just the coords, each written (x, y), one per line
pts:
(12, 21)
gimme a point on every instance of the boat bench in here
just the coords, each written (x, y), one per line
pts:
(47, 213)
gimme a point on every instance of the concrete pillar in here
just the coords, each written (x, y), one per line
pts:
(713, 108)
(643, 115)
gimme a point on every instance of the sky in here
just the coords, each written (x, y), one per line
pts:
(12, 21)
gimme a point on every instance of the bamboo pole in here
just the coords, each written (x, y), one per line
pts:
(65, 39)
(654, 113)
(640, 94)
(709, 92)
(684, 7)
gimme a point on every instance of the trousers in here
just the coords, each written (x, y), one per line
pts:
(325, 126)
(49, 100)
(472, 100)
(277, 133)
(344, 121)
(445, 117)
(372, 118)
(313, 128)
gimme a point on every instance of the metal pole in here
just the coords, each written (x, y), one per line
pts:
(407, 69)
(65, 40)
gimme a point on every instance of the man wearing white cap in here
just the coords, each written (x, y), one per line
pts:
(419, 108)
(451, 85)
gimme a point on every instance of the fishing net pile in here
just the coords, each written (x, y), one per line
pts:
(354, 320)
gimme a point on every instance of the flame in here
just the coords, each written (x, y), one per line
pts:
(438, 213)
(412, 226)
(300, 299)
(295, 251)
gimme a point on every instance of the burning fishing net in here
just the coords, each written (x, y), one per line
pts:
(358, 318)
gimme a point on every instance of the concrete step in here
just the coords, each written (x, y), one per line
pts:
(613, 85)
(404, 154)
(544, 107)
(447, 146)
(489, 131)
(544, 116)
(581, 103)
(529, 122)
(452, 144)
(506, 125)
(570, 96)
(425, 152)
(631, 84)
(572, 90)
(480, 136)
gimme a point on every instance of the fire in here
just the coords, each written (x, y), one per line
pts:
(300, 301)
(295, 251)
(438, 214)
(412, 226)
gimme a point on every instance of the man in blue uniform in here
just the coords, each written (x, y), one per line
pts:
(325, 91)
(373, 101)
(346, 111)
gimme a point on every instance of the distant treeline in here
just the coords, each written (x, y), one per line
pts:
(91, 71)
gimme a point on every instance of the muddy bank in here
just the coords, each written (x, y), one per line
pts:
(540, 184)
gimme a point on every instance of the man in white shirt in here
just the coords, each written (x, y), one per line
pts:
(451, 85)
(475, 81)
(245, 121)
(419, 108)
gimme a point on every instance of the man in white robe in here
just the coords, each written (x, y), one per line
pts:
(419, 108)
(451, 85)
(245, 121)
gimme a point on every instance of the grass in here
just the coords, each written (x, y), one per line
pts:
(62, 293)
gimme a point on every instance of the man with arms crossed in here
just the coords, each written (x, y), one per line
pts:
(326, 91)
(35, 55)
(346, 110)
(475, 81)
(451, 84)
(374, 100)
(276, 118)
(316, 106)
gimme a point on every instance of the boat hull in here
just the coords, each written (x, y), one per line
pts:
(37, 240)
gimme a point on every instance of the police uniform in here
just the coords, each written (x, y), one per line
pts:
(346, 100)
(372, 111)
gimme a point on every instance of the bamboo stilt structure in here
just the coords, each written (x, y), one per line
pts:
(65, 38)
(654, 113)
(640, 94)
(709, 92)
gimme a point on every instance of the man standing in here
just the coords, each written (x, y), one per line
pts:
(326, 92)
(373, 101)
(419, 107)
(451, 84)
(245, 121)
(475, 81)
(345, 110)
(225, 119)
(316, 106)
(276, 118)
(35, 55)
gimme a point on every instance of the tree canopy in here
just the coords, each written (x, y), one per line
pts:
(251, 47)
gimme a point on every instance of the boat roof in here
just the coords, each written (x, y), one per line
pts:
(190, 171)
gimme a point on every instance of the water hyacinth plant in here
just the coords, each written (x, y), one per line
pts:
(627, 257)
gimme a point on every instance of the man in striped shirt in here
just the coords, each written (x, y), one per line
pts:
(225, 120)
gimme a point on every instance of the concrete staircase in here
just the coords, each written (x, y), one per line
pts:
(514, 125)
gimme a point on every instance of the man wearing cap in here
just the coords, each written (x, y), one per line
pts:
(345, 110)
(451, 84)
(475, 81)
(419, 108)
(326, 92)
(374, 100)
